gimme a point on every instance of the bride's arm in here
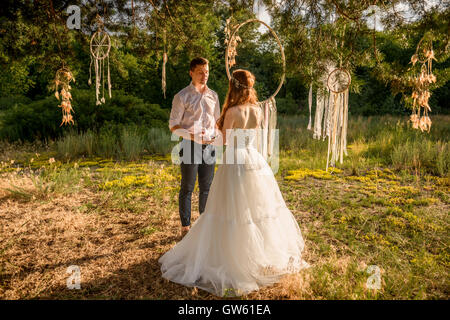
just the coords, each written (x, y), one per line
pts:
(218, 140)
(228, 122)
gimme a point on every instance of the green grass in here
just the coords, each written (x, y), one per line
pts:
(130, 144)
(387, 206)
(387, 141)
(398, 227)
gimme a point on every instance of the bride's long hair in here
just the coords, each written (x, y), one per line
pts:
(240, 91)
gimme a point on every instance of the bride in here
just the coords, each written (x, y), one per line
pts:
(246, 238)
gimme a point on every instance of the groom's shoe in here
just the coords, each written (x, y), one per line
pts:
(184, 231)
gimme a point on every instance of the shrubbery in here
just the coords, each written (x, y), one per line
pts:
(9, 102)
(41, 119)
(287, 105)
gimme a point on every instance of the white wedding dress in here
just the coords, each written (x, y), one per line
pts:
(245, 239)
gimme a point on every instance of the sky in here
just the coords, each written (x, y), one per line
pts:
(263, 15)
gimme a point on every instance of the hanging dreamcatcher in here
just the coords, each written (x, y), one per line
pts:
(336, 119)
(421, 87)
(231, 40)
(163, 76)
(100, 47)
(323, 99)
(63, 78)
(266, 141)
(61, 84)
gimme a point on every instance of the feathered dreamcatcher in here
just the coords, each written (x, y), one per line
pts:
(231, 40)
(421, 86)
(268, 107)
(100, 46)
(63, 78)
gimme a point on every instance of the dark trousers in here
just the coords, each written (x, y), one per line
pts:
(201, 161)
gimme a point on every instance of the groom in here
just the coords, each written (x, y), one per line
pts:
(195, 110)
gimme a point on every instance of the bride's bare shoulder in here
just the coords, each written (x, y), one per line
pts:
(248, 106)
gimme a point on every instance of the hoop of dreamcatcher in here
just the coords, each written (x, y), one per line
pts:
(331, 87)
(228, 54)
(427, 50)
(100, 46)
(268, 107)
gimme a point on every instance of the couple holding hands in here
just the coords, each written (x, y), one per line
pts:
(245, 237)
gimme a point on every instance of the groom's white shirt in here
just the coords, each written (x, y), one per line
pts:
(190, 106)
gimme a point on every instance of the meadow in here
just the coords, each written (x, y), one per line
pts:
(108, 202)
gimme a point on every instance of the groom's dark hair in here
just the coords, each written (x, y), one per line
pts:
(197, 61)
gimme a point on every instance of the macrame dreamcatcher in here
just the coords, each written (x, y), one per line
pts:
(266, 141)
(336, 118)
(323, 99)
(421, 91)
(100, 47)
(63, 78)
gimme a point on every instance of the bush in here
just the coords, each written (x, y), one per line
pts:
(9, 102)
(40, 119)
(287, 105)
(37, 120)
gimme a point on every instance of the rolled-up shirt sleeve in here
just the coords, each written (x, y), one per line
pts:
(176, 114)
